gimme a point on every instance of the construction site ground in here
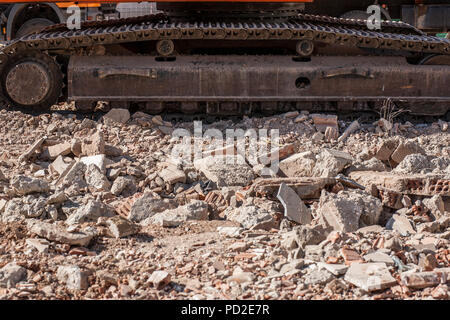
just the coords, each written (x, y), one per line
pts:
(94, 206)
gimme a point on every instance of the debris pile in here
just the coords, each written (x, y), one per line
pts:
(102, 208)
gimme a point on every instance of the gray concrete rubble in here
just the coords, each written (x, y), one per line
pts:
(196, 210)
(128, 205)
(370, 276)
(225, 170)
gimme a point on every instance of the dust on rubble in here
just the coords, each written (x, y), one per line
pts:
(97, 207)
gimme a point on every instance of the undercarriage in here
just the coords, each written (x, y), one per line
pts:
(250, 61)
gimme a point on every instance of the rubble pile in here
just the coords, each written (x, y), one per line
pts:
(100, 208)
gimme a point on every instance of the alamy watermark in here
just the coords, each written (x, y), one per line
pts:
(237, 147)
(374, 20)
(73, 17)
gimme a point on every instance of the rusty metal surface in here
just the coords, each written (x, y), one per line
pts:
(191, 80)
(245, 79)
(35, 83)
(395, 35)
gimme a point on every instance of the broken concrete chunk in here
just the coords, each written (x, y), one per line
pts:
(294, 208)
(23, 185)
(379, 256)
(60, 166)
(308, 235)
(413, 164)
(11, 274)
(99, 160)
(431, 227)
(317, 137)
(440, 164)
(74, 177)
(369, 165)
(72, 277)
(32, 150)
(41, 245)
(349, 210)
(118, 115)
(61, 149)
(18, 209)
(53, 232)
(239, 276)
(159, 279)
(370, 276)
(386, 149)
(331, 162)
(318, 277)
(435, 205)
(57, 198)
(172, 175)
(336, 269)
(94, 145)
(225, 170)
(314, 253)
(251, 216)
(298, 165)
(401, 224)
(196, 210)
(90, 212)
(125, 186)
(148, 205)
(233, 232)
(120, 227)
(404, 149)
(96, 180)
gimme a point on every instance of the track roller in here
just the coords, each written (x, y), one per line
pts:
(305, 48)
(165, 48)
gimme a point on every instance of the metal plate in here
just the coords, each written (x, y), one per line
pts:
(254, 78)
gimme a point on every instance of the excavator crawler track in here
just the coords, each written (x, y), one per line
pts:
(395, 40)
(398, 36)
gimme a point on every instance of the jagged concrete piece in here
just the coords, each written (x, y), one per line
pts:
(416, 184)
(35, 146)
(306, 188)
(370, 276)
(294, 208)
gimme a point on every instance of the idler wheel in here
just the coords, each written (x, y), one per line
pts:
(165, 47)
(32, 80)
